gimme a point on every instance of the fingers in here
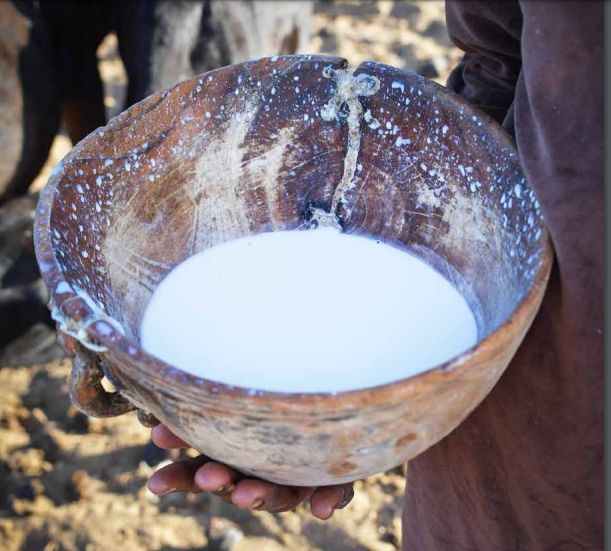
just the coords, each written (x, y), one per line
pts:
(217, 478)
(231, 486)
(178, 476)
(303, 494)
(265, 496)
(164, 438)
(326, 500)
(201, 474)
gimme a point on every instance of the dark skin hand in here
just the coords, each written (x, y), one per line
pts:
(202, 474)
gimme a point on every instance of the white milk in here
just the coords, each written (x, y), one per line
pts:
(306, 311)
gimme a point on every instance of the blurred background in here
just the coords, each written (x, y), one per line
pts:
(70, 483)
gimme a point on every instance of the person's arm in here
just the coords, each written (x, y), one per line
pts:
(489, 34)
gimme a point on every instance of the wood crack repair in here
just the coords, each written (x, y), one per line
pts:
(345, 107)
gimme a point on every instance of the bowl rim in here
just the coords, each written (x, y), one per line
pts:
(118, 345)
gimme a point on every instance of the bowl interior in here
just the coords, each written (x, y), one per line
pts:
(244, 150)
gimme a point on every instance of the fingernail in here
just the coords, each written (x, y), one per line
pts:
(168, 491)
(227, 489)
(345, 500)
(257, 504)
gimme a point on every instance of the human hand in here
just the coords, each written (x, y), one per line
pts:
(203, 474)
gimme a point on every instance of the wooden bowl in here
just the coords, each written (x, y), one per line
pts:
(260, 147)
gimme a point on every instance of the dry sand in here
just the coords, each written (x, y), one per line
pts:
(75, 484)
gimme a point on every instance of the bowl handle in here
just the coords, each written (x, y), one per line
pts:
(85, 385)
(87, 392)
(90, 397)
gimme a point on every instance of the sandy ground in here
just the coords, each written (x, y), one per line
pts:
(70, 483)
(76, 484)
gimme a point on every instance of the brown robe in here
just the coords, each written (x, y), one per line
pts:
(525, 470)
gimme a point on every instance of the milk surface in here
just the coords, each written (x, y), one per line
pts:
(306, 311)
